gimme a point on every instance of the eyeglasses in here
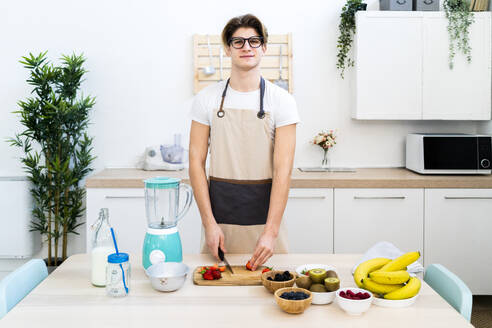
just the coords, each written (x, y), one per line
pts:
(238, 42)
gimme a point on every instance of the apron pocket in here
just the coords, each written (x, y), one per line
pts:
(238, 203)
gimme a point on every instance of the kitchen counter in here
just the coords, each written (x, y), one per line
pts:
(362, 178)
(66, 298)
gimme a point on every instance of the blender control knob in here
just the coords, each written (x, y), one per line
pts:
(157, 256)
(485, 163)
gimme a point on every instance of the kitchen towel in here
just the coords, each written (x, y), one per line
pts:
(390, 251)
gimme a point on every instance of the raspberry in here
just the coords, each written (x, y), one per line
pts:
(208, 276)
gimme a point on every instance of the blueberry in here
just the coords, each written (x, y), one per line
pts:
(270, 278)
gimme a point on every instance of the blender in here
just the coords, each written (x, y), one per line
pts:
(162, 242)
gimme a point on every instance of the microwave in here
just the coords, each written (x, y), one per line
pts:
(428, 153)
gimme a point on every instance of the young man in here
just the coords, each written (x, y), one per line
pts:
(251, 124)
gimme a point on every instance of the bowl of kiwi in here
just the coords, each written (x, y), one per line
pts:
(275, 279)
(322, 284)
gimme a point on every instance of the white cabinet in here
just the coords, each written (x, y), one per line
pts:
(402, 68)
(458, 227)
(309, 220)
(462, 93)
(388, 55)
(127, 217)
(364, 217)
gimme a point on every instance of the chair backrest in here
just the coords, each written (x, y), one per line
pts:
(16, 285)
(451, 288)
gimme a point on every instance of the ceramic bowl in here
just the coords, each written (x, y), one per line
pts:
(394, 303)
(354, 307)
(323, 298)
(271, 285)
(167, 276)
(292, 306)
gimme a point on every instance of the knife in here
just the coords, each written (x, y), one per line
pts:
(223, 259)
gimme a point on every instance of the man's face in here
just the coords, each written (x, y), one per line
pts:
(247, 57)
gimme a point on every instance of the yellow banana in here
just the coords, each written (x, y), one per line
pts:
(369, 284)
(401, 262)
(390, 278)
(368, 266)
(409, 290)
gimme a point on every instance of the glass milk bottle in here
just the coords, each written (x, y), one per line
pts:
(102, 246)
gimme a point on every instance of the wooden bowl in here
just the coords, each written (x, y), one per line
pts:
(291, 306)
(271, 285)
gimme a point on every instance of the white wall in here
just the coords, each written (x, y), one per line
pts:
(139, 57)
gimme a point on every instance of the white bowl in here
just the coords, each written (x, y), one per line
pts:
(323, 298)
(167, 276)
(394, 303)
(354, 307)
(308, 267)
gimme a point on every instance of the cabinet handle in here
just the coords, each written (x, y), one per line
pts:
(466, 197)
(428, 2)
(380, 197)
(401, 2)
(307, 197)
(124, 197)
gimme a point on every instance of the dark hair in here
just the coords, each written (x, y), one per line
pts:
(247, 20)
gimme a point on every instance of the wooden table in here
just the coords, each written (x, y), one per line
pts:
(67, 299)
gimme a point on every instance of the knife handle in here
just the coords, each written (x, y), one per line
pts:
(221, 254)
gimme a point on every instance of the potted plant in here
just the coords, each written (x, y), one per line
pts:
(459, 20)
(347, 31)
(57, 149)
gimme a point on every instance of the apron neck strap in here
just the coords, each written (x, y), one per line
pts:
(261, 113)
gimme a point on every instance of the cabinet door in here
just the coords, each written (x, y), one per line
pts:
(364, 217)
(308, 218)
(458, 226)
(388, 65)
(464, 92)
(127, 216)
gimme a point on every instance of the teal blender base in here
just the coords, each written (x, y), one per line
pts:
(161, 245)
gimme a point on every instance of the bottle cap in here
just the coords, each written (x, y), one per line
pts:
(118, 258)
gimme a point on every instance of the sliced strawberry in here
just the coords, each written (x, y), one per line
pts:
(249, 266)
(266, 269)
(208, 276)
(216, 274)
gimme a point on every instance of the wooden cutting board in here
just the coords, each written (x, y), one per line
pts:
(241, 277)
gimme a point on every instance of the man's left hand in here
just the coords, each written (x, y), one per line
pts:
(263, 250)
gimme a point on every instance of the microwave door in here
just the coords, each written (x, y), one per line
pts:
(450, 153)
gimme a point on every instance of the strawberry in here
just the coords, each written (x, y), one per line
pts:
(208, 276)
(216, 274)
(222, 268)
(266, 269)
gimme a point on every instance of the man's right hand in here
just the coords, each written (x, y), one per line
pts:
(215, 238)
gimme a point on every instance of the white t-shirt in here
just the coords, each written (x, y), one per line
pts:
(281, 105)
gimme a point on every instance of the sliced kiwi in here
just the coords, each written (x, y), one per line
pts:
(317, 275)
(332, 284)
(303, 282)
(317, 288)
(331, 274)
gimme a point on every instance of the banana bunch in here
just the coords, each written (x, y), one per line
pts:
(388, 278)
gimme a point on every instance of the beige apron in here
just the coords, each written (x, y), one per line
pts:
(240, 176)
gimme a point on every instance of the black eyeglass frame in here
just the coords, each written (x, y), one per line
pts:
(244, 41)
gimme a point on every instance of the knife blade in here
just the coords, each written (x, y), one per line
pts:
(223, 259)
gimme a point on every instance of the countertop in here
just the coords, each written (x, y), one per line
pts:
(361, 178)
(67, 299)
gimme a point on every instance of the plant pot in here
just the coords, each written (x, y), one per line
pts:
(52, 268)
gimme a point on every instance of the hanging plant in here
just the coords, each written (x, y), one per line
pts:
(347, 31)
(459, 20)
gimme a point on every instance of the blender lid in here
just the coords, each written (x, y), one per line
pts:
(162, 183)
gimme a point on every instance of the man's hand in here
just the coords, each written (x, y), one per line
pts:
(263, 250)
(215, 238)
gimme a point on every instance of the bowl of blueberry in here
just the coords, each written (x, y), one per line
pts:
(293, 299)
(275, 279)
(354, 301)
